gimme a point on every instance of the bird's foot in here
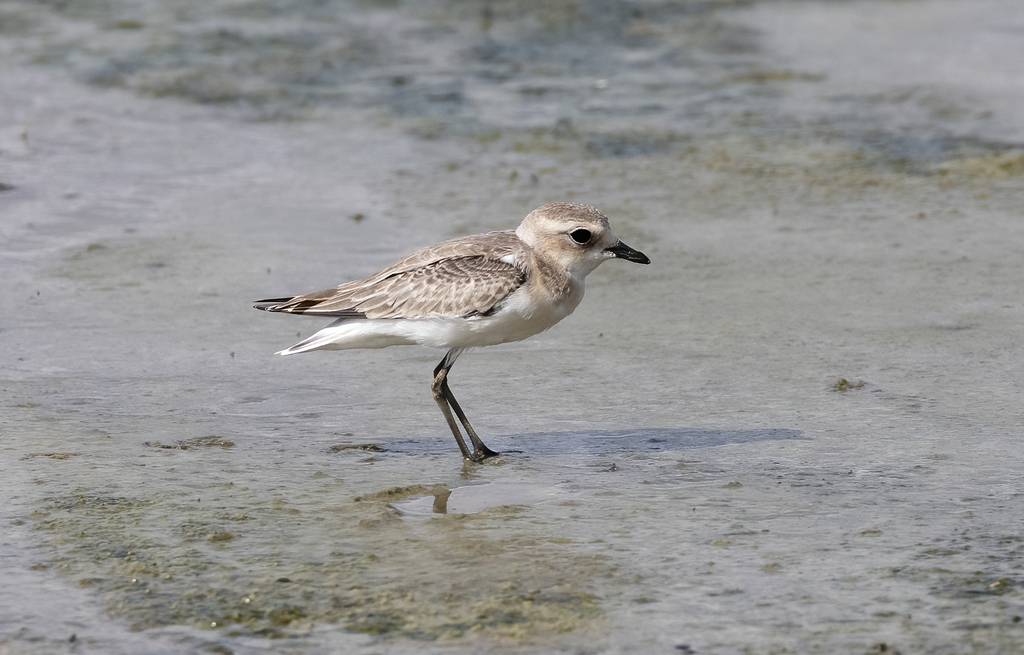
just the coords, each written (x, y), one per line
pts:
(482, 453)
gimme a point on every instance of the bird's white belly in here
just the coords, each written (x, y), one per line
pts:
(521, 316)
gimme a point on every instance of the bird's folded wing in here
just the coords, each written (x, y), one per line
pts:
(453, 287)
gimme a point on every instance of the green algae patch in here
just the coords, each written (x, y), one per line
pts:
(126, 24)
(285, 615)
(996, 165)
(169, 559)
(369, 447)
(508, 613)
(56, 456)
(190, 444)
(764, 76)
(398, 493)
(842, 384)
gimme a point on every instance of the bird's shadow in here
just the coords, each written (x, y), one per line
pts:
(614, 442)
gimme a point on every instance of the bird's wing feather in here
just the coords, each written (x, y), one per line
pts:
(461, 286)
(455, 278)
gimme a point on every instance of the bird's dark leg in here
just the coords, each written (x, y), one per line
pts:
(445, 399)
(480, 450)
(438, 389)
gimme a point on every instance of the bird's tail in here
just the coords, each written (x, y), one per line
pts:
(336, 336)
(320, 339)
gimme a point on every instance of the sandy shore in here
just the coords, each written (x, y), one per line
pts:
(795, 431)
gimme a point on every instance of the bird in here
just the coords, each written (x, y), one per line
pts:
(467, 292)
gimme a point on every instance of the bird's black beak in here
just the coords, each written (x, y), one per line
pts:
(622, 251)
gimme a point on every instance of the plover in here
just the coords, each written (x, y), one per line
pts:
(467, 292)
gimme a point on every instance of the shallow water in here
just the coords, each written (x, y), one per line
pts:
(796, 431)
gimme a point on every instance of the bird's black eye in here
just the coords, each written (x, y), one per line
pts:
(580, 236)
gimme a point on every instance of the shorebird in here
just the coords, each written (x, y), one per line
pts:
(472, 291)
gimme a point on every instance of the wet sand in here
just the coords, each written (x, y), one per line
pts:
(796, 431)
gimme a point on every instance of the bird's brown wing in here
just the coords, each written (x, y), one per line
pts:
(463, 277)
(453, 287)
